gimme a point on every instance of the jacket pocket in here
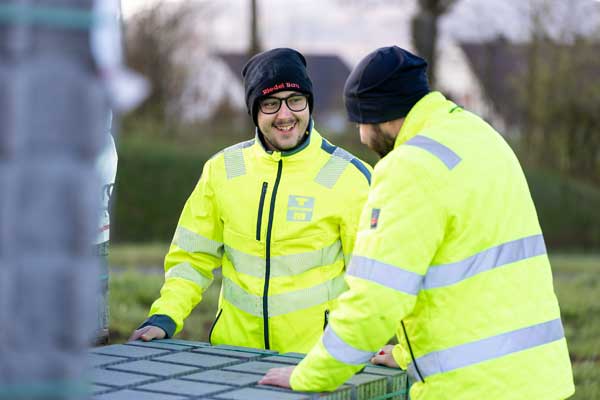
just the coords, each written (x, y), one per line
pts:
(261, 205)
(213, 326)
(325, 319)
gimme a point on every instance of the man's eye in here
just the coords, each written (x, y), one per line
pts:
(269, 104)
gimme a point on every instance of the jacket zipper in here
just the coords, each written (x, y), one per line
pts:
(412, 356)
(213, 326)
(268, 257)
(326, 319)
(260, 209)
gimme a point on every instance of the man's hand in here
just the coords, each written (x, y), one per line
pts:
(278, 377)
(148, 333)
(384, 357)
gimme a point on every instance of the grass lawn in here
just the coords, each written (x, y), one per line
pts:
(577, 285)
(136, 278)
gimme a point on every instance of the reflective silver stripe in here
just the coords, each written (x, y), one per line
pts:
(385, 274)
(447, 156)
(234, 159)
(186, 271)
(286, 265)
(510, 252)
(246, 263)
(234, 163)
(283, 303)
(194, 243)
(487, 349)
(333, 168)
(241, 145)
(342, 351)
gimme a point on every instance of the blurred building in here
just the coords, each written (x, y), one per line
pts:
(335, 38)
(221, 90)
(215, 87)
(328, 73)
(499, 67)
(502, 69)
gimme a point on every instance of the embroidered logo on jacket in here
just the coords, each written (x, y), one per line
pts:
(300, 208)
(375, 217)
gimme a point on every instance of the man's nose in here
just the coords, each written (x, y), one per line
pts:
(284, 111)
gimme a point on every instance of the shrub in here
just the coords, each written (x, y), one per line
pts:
(152, 185)
(155, 178)
(569, 211)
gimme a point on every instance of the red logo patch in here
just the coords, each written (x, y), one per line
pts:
(375, 217)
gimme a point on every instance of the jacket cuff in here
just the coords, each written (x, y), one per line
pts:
(401, 356)
(163, 322)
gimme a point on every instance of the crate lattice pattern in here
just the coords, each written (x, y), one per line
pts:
(173, 369)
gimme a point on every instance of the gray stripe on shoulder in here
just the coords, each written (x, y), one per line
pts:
(334, 168)
(241, 145)
(435, 148)
(234, 159)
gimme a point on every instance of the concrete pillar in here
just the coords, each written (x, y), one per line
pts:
(52, 117)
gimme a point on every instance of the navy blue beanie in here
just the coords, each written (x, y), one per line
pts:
(275, 71)
(385, 85)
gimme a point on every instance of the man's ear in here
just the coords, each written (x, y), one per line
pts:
(392, 127)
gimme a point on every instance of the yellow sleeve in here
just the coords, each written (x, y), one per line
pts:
(196, 249)
(400, 230)
(401, 356)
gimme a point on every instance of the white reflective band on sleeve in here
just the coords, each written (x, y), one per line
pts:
(186, 271)
(334, 168)
(342, 351)
(487, 349)
(286, 265)
(510, 252)
(385, 274)
(447, 156)
(195, 243)
(283, 303)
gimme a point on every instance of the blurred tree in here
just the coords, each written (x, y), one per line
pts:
(255, 46)
(425, 31)
(424, 25)
(561, 99)
(547, 88)
(161, 40)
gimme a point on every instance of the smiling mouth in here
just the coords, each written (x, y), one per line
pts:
(285, 127)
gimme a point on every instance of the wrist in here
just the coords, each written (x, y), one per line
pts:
(161, 321)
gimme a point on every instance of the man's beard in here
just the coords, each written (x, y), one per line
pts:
(381, 143)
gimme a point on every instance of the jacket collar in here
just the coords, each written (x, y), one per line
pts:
(419, 116)
(303, 152)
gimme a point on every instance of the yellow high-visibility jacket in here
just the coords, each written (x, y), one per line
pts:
(449, 249)
(282, 225)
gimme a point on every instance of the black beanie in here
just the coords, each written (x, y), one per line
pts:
(275, 71)
(385, 85)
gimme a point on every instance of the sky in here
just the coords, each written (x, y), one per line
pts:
(353, 28)
(318, 26)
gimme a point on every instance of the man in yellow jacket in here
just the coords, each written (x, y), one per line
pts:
(449, 252)
(278, 212)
